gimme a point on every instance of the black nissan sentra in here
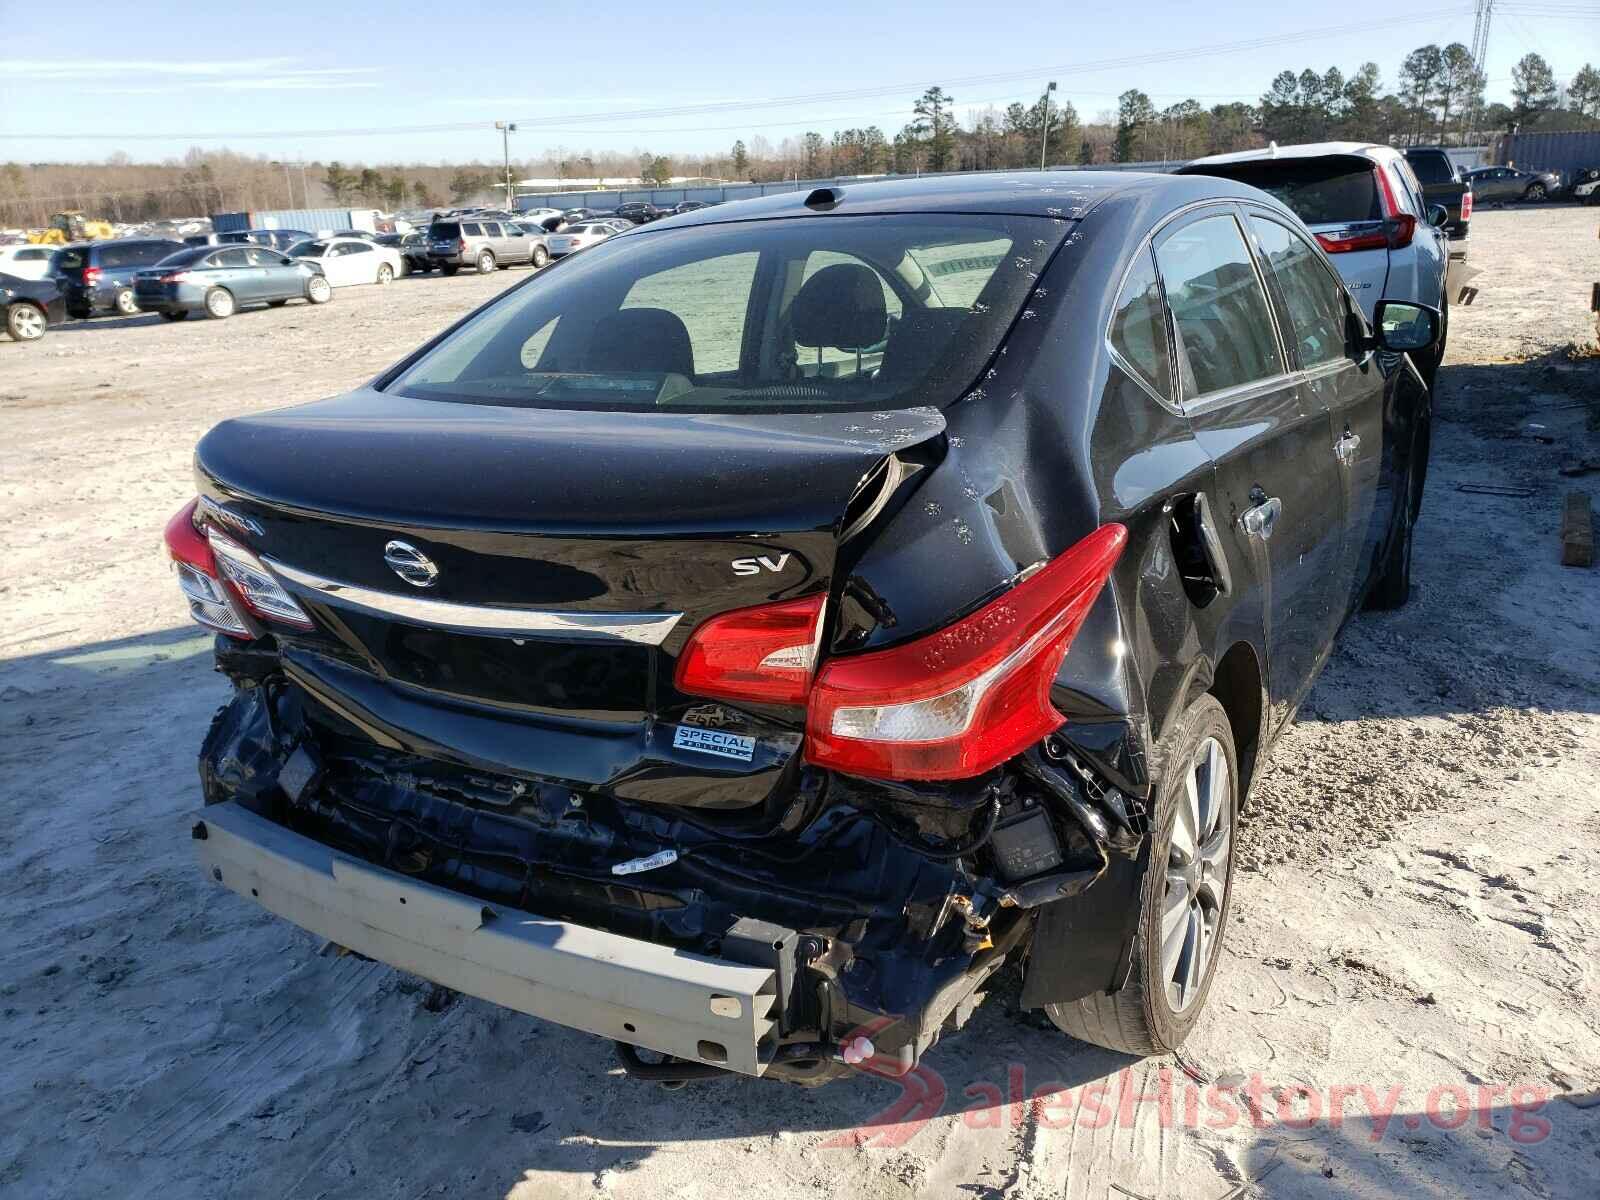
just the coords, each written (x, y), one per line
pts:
(741, 640)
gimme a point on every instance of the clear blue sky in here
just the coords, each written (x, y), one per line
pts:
(153, 79)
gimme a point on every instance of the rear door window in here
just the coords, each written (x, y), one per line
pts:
(1139, 328)
(233, 258)
(1315, 300)
(472, 229)
(1219, 310)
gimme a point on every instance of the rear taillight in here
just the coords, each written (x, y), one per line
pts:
(461, 247)
(91, 276)
(1342, 241)
(1398, 227)
(220, 577)
(763, 654)
(961, 701)
(177, 277)
(196, 568)
(1466, 205)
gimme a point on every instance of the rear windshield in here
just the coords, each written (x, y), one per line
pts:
(308, 250)
(445, 229)
(797, 315)
(1432, 168)
(68, 260)
(1318, 191)
(184, 258)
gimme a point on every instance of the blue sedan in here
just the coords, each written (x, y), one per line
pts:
(219, 280)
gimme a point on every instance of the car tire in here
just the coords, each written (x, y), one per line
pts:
(486, 262)
(385, 274)
(449, 268)
(1154, 1011)
(220, 304)
(1535, 193)
(1392, 588)
(318, 289)
(541, 258)
(125, 304)
(181, 315)
(26, 322)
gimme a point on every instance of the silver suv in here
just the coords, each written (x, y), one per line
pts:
(1366, 207)
(482, 243)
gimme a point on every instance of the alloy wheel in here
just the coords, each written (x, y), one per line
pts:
(126, 304)
(27, 323)
(1197, 875)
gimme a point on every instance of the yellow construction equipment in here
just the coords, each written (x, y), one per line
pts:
(71, 227)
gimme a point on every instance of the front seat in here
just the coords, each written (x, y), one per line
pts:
(840, 307)
(641, 341)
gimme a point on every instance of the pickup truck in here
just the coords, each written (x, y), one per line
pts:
(1442, 184)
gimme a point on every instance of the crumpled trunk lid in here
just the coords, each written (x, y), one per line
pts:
(510, 588)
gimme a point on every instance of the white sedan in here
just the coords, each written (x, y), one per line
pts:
(579, 237)
(351, 260)
(26, 262)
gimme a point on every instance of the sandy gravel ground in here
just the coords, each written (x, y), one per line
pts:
(1415, 936)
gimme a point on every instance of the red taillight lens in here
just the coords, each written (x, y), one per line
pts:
(1342, 241)
(763, 654)
(176, 277)
(461, 247)
(91, 275)
(1466, 205)
(1398, 227)
(961, 701)
(209, 601)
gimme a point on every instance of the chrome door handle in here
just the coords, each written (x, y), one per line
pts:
(1346, 448)
(1258, 520)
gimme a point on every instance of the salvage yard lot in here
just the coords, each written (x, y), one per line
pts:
(1417, 925)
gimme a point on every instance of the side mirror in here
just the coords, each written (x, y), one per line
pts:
(1399, 325)
(1438, 215)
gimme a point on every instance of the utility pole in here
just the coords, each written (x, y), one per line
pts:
(1044, 129)
(1480, 52)
(506, 130)
(288, 183)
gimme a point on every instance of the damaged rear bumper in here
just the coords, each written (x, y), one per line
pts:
(687, 1005)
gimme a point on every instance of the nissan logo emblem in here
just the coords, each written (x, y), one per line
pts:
(411, 564)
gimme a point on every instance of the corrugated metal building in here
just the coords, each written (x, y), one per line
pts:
(1568, 152)
(312, 220)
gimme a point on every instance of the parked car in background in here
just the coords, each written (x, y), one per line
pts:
(639, 212)
(539, 253)
(1503, 185)
(413, 250)
(482, 244)
(684, 206)
(31, 305)
(573, 238)
(219, 280)
(1442, 183)
(24, 261)
(773, 776)
(347, 261)
(1366, 207)
(1586, 186)
(98, 276)
(278, 239)
(539, 216)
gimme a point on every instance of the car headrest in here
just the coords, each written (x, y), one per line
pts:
(642, 339)
(840, 306)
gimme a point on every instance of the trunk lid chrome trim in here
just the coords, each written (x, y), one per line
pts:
(648, 629)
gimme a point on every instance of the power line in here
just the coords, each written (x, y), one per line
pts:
(842, 95)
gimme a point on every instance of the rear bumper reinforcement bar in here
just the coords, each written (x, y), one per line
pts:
(686, 1005)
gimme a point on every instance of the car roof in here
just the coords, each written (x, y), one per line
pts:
(1306, 150)
(1067, 194)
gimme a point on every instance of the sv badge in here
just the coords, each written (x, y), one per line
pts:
(754, 566)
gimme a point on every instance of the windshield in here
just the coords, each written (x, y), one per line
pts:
(1320, 191)
(794, 315)
(1432, 168)
(308, 250)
